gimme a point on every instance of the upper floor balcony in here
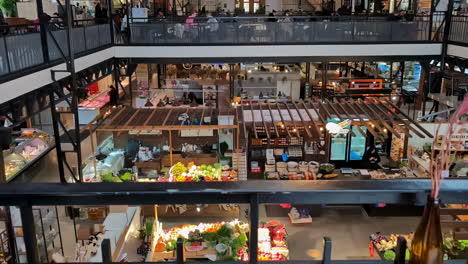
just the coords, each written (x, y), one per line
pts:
(295, 30)
(33, 47)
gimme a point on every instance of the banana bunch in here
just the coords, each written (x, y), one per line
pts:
(178, 169)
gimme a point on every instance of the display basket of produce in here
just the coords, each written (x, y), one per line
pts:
(386, 245)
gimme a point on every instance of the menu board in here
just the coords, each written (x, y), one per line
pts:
(358, 144)
(338, 147)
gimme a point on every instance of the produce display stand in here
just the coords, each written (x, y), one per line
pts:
(141, 121)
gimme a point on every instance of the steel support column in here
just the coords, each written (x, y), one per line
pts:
(448, 23)
(58, 145)
(11, 234)
(324, 79)
(74, 99)
(43, 30)
(431, 20)
(117, 77)
(253, 242)
(2, 167)
(231, 80)
(29, 233)
(111, 19)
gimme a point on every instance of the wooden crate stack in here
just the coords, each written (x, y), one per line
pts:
(239, 162)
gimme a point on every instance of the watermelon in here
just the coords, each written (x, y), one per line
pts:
(194, 248)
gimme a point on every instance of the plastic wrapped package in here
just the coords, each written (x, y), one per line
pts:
(115, 161)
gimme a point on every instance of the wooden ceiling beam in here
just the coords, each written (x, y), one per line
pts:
(263, 121)
(358, 127)
(292, 119)
(411, 120)
(324, 122)
(282, 120)
(273, 120)
(202, 115)
(116, 115)
(396, 126)
(314, 124)
(384, 122)
(370, 115)
(253, 120)
(304, 122)
(407, 124)
(328, 103)
(167, 117)
(369, 127)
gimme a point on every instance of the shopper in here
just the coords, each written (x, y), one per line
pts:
(97, 13)
(286, 27)
(371, 158)
(113, 96)
(213, 27)
(190, 26)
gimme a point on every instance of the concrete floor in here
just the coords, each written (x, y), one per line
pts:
(349, 230)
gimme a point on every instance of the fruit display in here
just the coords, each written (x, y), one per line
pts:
(272, 242)
(194, 173)
(226, 240)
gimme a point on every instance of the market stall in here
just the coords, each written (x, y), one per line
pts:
(299, 140)
(98, 97)
(176, 144)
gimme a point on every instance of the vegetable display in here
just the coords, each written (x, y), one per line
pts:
(228, 241)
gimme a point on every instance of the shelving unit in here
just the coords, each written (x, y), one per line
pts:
(48, 234)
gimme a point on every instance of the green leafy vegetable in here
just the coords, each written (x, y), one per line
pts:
(107, 177)
(126, 177)
(225, 231)
(389, 255)
(210, 236)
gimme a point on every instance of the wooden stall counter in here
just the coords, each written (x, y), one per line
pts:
(197, 158)
(212, 210)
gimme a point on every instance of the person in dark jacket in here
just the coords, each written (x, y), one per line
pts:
(371, 158)
(97, 13)
(113, 96)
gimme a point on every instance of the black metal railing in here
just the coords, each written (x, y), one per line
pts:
(252, 193)
(277, 30)
(21, 46)
(459, 29)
